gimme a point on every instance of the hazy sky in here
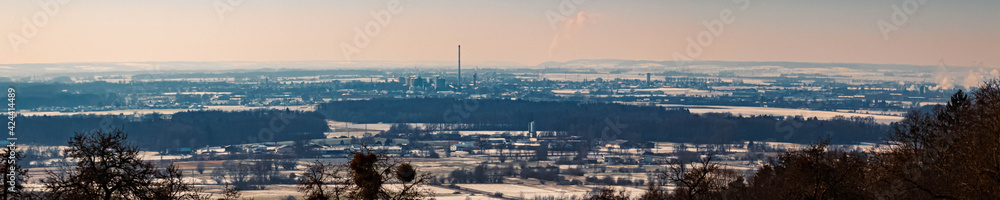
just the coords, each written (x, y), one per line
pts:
(514, 31)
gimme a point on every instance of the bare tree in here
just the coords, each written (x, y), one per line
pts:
(169, 184)
(107, 167)
(219, 175)
(705, 180)
(609, 194)
(320, 179)
(243, 176)
(200, 168)
(365, 177)
(230, 192)
(655, 192)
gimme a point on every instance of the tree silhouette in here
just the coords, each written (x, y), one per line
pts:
(108, 167)
(609, 194)
(318, 181)
(946, 153)
(13, 166)
(815, 173)
(655, 192)
(365, 177)
(950, 152)
(705, 180)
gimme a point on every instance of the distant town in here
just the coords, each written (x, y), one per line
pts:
(473, 135)
(847, 88)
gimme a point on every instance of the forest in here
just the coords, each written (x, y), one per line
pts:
(947, 153)
(190, 129)
(603, 120)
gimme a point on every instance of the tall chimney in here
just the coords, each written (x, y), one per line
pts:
(648, 81)
(531, 131)
(459, 67)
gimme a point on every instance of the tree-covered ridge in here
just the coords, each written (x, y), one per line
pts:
(602, 120)
(948, 153)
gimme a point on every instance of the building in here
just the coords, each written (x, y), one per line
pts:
(440, 84)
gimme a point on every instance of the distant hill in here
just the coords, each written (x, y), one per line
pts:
(123, 68)
(615, 63)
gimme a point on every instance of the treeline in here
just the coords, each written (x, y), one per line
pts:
(602, 120)
(184, 129)
(484, 173)
(31, 96)
(254, 174)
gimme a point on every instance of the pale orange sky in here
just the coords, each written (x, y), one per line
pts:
(515, 31)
